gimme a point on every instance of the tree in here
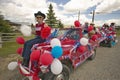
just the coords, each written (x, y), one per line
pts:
(51, 19)
(60, 25)
(4, 25)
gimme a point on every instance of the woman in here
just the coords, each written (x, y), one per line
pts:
(28, 44)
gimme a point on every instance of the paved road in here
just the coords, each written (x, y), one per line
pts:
(106, 66)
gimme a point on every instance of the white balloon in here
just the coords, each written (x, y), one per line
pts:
(56, 67)
(12, 65)
(84, 41)
(116, 41)
(114, 35)
(55, 42)
(97, 30)
(26, 30)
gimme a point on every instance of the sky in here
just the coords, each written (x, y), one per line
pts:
(22, 11)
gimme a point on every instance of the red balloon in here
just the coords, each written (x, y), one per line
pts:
(113, 33)
(45, 32)
(20, 40)
(82, 49)
(99, 35)
(19, 51)
(35, 77)
(35, 55)
(94, 37)
(110, 29)
(77, 23)
(90, 40)
(46, 59)
(90, 28)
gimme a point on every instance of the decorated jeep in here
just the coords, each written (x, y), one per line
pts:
(62, 52)
(59, 55)
(110, 38)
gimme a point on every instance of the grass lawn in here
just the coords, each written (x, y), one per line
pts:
(118, 32)
(8, 48)
(11, 47)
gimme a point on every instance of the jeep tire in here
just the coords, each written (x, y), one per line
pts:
(64, 75)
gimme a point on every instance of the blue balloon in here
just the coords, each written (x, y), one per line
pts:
(110, 37)
(57, 51)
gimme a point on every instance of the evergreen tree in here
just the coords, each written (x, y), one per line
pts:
(60, 25)
(51, 19)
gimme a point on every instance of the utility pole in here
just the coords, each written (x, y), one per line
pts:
(93, 16)
(79, 15)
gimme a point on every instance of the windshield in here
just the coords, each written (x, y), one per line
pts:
(69, 34)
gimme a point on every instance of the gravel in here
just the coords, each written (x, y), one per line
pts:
(106, 65)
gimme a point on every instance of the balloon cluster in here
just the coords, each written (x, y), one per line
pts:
(56, 66)
(21, 41)
(50, 58)
(44, 59)
(82, 47)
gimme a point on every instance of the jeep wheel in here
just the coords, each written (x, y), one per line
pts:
(93, 55)
(64, 75)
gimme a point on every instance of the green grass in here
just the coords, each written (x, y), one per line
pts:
(118, 32)
(8, 48)
(11, 47)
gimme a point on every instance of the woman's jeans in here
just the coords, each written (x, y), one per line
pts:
(28, 45)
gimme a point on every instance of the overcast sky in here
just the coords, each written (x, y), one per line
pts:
(65, 10)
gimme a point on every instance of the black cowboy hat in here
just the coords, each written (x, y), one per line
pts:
(40, 14)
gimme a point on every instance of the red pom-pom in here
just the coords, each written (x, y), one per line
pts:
(94, 37)
(19, 51)
(90, 28)
(45, 32)
(20, 40)
(46, 59)
(77, 23)
(82, 49)
(35, 55)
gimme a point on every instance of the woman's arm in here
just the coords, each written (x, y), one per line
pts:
(33, 29)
